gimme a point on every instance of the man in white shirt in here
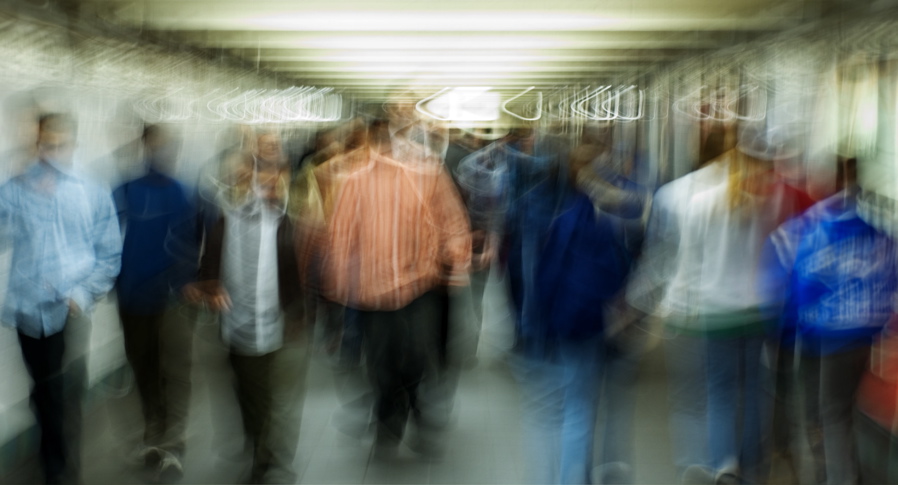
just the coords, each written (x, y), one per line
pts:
(249, 273)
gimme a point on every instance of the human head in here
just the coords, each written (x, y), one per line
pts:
(160, 147)
(56, 138)
(580, 158)
(846, 172)
(271, 182)
(269, 148)
(400, 108)
(752, 166)
(522, 138)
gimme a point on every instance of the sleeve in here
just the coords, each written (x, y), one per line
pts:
(107, 256)
(341, 258)
(210, 261)
(778, 257)
(455, 231)
(607, 197)
(775, 268)
(658, 260)
(307, 212)
(119, 197)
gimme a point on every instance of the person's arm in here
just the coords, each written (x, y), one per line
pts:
(107, 246)
(119, 197)
(657, 261)
(482, 186)
(5, 218)
(208, 289)
(450, 214)
(307, 213)
(778, 257)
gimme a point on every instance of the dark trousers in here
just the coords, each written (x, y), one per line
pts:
(43, 359)
(254, 395)
(159, 349)
(479, 280)
(270, 391)
(402, 350)
(840, 376)
(445, 330)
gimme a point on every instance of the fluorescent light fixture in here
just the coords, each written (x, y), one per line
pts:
(481, 21)
(462, 104)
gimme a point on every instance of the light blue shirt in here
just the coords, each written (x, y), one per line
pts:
(65, 242)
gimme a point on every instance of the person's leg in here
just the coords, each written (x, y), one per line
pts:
(176, 363)
(430, 383)
(873, 449)
(542, 397)
(332, 328)
(473, 295)
(350, 336)
(582, 362)
(383, 333)
(75, 364)
(724, 398)
(253, 385)
(403, 348)
(754, 459)
(687, 393)
(353, 387)
(141, 334)
(840, 375)
(619, 373)
(784, 423)
(440, 301)
(813, 462)
(43, 359)
(288, 380)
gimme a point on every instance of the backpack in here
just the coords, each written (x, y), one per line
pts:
(581, 267)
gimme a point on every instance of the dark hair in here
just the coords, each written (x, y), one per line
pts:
(149, 131)
(59, 123)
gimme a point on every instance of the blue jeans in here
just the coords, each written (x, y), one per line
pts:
(737, 407)
(560, 399)
(687, 393)
(618, 389)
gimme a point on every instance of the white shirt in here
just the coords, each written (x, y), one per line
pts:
(660, 283)
(255, 323)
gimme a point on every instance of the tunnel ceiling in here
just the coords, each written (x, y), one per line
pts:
(370, 48)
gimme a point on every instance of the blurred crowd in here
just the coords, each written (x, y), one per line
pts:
(772, 303)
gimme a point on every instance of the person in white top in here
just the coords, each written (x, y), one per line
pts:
(249, 274)
(712, 297)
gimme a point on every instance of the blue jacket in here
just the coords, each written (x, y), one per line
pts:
(161, 245)
(836, 275)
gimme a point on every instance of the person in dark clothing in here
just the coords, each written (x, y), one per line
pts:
(159, 257)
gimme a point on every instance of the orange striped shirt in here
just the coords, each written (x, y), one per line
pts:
(397, 230)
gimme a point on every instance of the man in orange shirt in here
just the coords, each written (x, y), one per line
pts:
(398, 231)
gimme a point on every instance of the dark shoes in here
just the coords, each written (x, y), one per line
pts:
(164, 466)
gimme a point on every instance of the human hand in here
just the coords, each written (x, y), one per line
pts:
(74, 309)
(489, 247)
(210, 293)
(192, 293)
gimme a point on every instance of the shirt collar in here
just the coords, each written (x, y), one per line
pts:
(396, 128)
(40, 167)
